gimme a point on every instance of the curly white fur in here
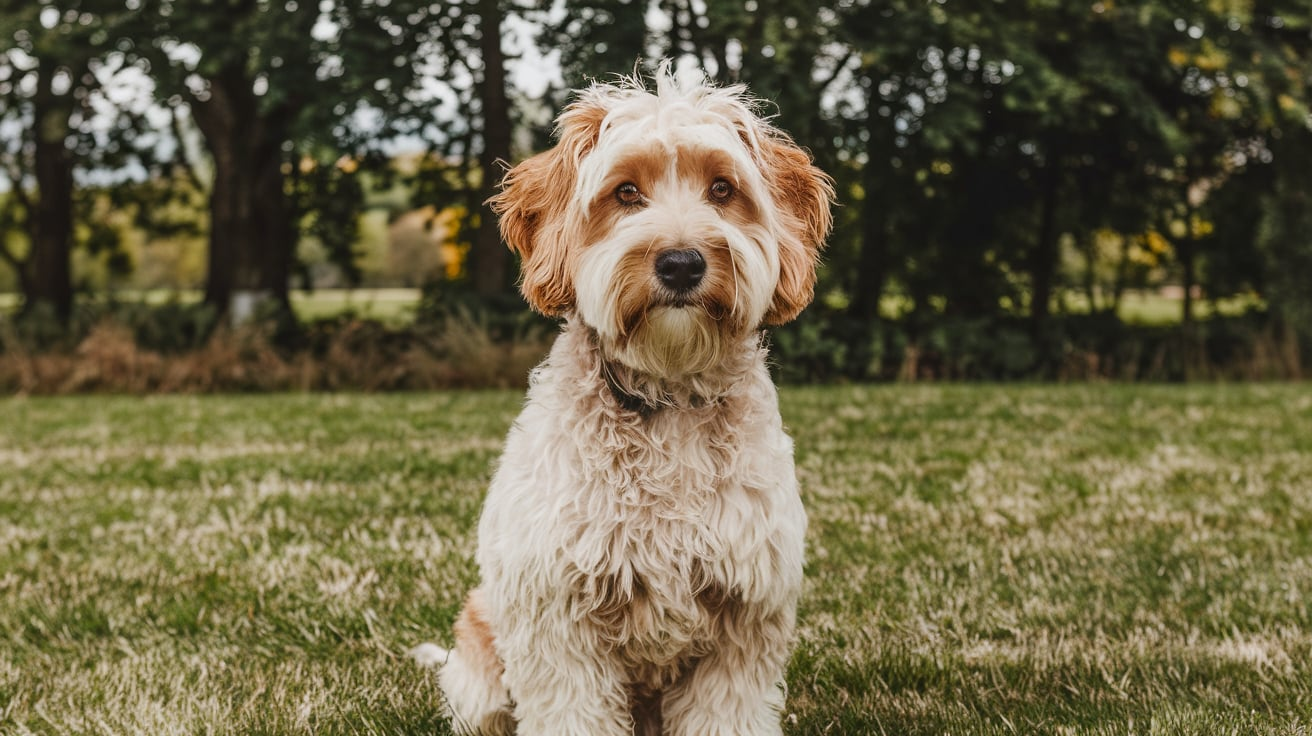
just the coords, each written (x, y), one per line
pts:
(641, 544)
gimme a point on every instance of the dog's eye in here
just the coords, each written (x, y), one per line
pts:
(628, 194)
(720, 191)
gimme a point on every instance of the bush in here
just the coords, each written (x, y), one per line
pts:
(461, 342)
(160, 349)
(172, 327)
(822, 347)
(503, 317)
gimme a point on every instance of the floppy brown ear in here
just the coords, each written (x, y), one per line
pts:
(803, 193)
(530, 194)
(531, 207)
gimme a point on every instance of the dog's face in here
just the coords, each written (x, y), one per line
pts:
(670, 223)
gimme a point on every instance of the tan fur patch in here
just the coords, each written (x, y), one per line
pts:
(803, 193)
(533, 197)
(474, 638)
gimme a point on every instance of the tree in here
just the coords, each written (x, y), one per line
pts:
(49, 79)
(471, 141)
(970, 142)
(1279, 208)
(489, 260)
(276, 88)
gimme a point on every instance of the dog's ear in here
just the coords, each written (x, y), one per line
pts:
(530, 193)
(803, 194)
(532, 202)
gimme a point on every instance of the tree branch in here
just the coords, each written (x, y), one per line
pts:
(181, 159)
(703, 45)
(824, 86)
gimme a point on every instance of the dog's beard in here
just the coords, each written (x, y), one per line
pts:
(671, 342)
(666, 336)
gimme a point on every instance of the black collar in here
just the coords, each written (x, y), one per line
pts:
(642, 405)
(627, 401)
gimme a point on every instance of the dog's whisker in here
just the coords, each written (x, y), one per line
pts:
(733, 274)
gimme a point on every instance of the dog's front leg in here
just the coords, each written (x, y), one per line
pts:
(563, 686)
(737, 689)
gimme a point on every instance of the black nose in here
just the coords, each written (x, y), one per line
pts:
(680, 270)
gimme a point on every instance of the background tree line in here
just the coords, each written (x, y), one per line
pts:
(1007, 171)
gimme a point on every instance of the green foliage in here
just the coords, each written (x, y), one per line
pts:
(294, 102)
(56, 63)
(1249, 346)
(968, 139)
(332, 199)
(140, 347)
(983, 166)
(171, 327)
(502, 316)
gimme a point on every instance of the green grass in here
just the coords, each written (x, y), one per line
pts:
(393, 306)
(982, 560)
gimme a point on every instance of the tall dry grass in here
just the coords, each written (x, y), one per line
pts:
(455, 349)
(1267, 354)
(357, 355)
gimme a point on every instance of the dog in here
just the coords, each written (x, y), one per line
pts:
(641, 544)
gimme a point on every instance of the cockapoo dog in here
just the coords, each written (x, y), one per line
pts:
(641, 543)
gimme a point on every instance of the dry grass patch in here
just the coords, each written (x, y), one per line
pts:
(357, 356)
(983, 560)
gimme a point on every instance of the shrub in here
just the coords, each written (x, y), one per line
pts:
(461, 342)
(822, 347)
(127, 352)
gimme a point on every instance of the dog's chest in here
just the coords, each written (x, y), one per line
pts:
(655, 540)
(659, 607)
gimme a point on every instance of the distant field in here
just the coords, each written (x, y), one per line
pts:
(397, 306)
(982, 560)
(1153, 308)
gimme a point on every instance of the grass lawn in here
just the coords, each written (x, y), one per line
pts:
(393, 306)
(982, 560)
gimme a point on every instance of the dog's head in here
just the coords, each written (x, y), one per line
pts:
(668, 222)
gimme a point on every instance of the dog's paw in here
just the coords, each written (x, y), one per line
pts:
(429, 654)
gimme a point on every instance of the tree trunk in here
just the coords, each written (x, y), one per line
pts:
(967, 278)
(1043, 259)
(1188, 274)
(1089, 247)
(1190, 350)
(252, 235)
(225, 216)
(1188, 250)
(275, 236)
(1122, 276)
(489, 259)
(50, 279)
(872, 263)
